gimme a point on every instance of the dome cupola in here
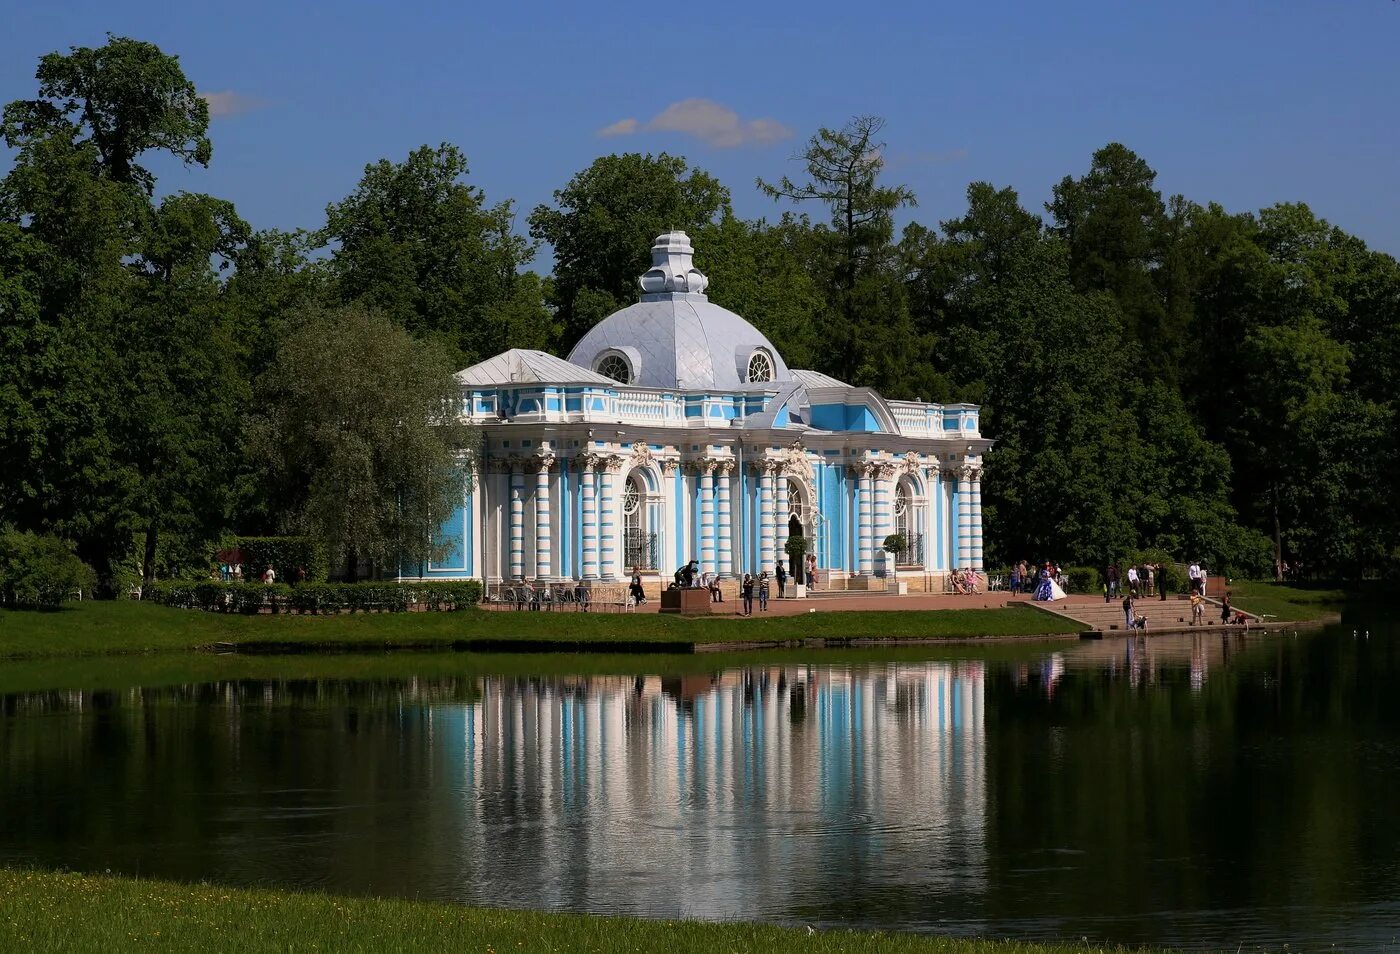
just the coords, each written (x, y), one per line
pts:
(675, 338)
(672, 269)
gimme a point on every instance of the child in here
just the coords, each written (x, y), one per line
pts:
(1225, 609)
(1198, 615)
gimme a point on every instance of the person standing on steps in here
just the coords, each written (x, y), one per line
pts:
(1161, 581)
(1128, 612)
(781, 574)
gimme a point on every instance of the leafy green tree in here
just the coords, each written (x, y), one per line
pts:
(125, 98)
(602, 226)
(415, 241)
(757, 270)
(1113, 219)
(40, 571)
(357, 427)
(1294, 373)
(177, 423)
(871, 338)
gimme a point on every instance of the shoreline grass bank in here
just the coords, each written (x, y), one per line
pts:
(126, 627)
(60, 912)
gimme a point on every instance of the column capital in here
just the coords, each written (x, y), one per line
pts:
(611, 463)
(543, 462)
(885, 470)
(724, 467)
(970, 471)
(668, 466)
(586, 460)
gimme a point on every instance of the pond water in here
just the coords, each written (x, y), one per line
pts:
(1213, 790)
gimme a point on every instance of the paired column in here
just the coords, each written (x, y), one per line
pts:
(781, 511)
(965, 558)
(706, 469)
(726, 539)
(517, 520)
(766, 551)
(607, 549)
(865, 523)
(586, 463)
(544, 535)
(976, 497)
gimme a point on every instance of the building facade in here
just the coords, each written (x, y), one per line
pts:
(675, 431)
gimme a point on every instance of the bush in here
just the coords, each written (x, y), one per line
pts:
(40, 571)
(251, 598)
(284, 555)
(1084, 579)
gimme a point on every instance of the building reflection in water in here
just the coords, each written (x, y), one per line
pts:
(755, 792)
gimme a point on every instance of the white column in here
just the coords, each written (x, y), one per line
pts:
(544, 534)
(884, 515)
(781, 512)
(517, 521)
(726, 537)
(865, 526)
(706, 469)
(607, 522)
(976, 496)
(964, 560)
(766, 552)
(586, 463)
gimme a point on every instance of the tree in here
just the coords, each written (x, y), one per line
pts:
(602, 226)
(871, 338)
(1295, 373)
(125, 98)
(1113, 219)
(758, 271)
(357, 427)
(177, 421)
(415, 241)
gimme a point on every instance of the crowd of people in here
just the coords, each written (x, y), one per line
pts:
(751, 585)
(233, 573)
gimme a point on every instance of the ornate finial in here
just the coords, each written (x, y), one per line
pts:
(671, 268)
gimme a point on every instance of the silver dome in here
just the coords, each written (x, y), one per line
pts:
(678, 339)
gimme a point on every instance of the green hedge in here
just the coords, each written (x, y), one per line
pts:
(1084, 579)
(40, 571)
(314, 597)
(284, 555)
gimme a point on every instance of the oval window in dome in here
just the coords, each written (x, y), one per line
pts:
(615, 366)
(760, 367)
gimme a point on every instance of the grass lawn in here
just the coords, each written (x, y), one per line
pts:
(127, 627)
(40, 911)
(1281, 600)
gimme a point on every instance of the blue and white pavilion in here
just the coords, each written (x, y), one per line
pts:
(675, 431)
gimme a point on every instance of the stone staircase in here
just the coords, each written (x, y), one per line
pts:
(1174, 613)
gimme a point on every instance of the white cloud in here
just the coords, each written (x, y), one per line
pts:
(710, 122)
(229, 103)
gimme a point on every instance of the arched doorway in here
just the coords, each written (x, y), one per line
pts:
(906, 524)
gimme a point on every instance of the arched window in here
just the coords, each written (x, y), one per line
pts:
(760, 366)
(906, 525)
(639, 546)
(615, 366)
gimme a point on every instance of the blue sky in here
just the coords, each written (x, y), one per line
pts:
(1244, 103)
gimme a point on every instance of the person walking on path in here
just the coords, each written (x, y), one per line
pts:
(1128, 612)
(1148, 578)
(1161, 581)
(1132, 581)
(763, 592)
(747, 592)
(1112, 581)
(781, 574)
(1193, 574)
